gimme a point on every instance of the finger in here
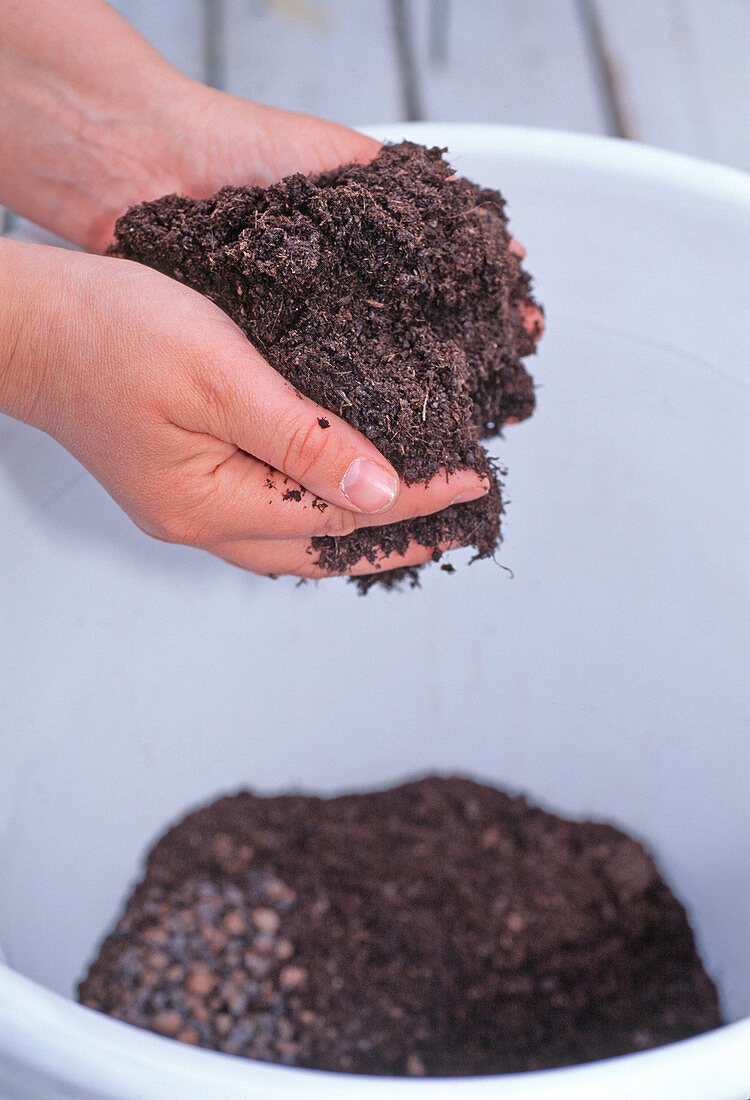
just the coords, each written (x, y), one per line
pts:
(291, 142)
(426, 498)
(297, 558)
(240, 399)
(532, 318)
(238, 497)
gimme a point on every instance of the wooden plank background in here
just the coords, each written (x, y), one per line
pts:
(672, 73)
(680, 73)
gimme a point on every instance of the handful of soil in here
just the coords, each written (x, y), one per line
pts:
(438, 928)
(385, 292)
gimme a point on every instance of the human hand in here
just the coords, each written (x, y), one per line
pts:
(93, 120)
(162, 398)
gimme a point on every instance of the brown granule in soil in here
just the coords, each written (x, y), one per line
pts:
(438, 928)
(386, 293)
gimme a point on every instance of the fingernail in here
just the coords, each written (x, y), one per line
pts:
(369, 487)
(471, 494)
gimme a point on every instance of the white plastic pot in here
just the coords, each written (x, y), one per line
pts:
(608, 677)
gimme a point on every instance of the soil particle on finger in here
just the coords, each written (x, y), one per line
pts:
(385, 292)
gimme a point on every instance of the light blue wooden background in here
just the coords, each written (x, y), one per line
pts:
(672, 73)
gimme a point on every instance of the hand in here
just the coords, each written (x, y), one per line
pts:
(93, 120)
(147, 383)
(162, 398)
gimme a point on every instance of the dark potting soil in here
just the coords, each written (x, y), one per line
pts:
(438, 928)
(385, 292)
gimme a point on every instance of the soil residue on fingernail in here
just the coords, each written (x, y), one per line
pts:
(387, 293)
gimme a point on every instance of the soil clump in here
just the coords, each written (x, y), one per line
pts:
(387, 293)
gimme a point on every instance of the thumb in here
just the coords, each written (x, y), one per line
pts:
(242, 400)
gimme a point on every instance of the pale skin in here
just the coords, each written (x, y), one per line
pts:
(146, 382)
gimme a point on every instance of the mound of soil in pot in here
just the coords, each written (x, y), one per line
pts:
(438, 928)
(386, 292)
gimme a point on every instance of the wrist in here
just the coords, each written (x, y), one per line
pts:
(14, 315)
(38, 314)
(131, 152)
(83, 101)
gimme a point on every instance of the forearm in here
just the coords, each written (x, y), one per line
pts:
(84, 113)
